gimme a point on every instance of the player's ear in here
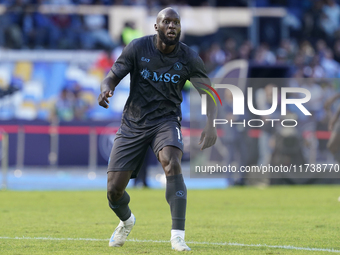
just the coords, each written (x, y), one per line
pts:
(156, 27)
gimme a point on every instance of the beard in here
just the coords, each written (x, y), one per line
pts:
(167, 41)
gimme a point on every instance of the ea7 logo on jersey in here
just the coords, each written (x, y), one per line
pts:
(166, 77)
(145, 59)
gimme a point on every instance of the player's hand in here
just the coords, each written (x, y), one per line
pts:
(208, 137)
(103, 98)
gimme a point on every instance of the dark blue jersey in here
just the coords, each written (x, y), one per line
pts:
(157, 80)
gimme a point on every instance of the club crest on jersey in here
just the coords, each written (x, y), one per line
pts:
(145, 73)
(178, 66)
(166, 77)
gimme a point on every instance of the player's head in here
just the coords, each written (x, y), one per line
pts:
(168, 26)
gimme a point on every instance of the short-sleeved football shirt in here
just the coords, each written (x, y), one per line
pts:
(157, 80)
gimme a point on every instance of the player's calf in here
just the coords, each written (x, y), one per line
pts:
(127, 219)
(176, 195)
(121, 206)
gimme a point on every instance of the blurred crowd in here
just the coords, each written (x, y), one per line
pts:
(314, 31)
(310, 49)
(70, 105)
(312, 44)
(22, 26)
(305, 58)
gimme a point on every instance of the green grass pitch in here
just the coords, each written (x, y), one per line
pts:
(230, 221)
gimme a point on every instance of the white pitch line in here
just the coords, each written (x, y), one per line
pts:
(287, 247)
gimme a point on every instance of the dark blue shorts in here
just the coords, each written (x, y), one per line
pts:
(130, 145)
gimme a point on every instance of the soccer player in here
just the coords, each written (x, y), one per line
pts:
(159, 66)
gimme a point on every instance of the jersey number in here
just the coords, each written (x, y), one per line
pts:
(179, 134)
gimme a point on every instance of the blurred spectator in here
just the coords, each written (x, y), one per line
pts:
(312, 21)
(14, 22)
(321, 47)
(289, 49)
(281, 56)
(105, 61)
(80, 106)
(64, 106)
(216, 57)
(153, 4)
(96, 35)
(264, 56)
(63, 34)
(293, 23)
(230, 49)
(330, 18)
(316, 69)
(41, 29)
(130, 32)
(330, 66)
(307, 50)
(245, 50)
(299, 61)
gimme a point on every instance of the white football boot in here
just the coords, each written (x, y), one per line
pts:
(122, 231)
(178, 244)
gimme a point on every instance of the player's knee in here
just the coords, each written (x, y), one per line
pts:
(114, 194)
(171, 165)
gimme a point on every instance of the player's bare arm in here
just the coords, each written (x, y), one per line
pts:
(107, 87)
(209, 133)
